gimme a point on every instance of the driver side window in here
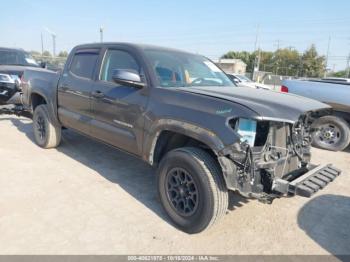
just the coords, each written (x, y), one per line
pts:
(117, 59)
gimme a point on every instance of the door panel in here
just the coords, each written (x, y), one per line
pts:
(118, 109)
(118, 118)
(74, 91)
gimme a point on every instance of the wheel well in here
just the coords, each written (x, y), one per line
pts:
(169, 140)
(343, 115)
(37, 100)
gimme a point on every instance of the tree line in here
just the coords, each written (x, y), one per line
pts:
(284, 61)
(51, 62)
(62, 54)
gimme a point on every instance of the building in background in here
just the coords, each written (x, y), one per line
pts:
(232, 66)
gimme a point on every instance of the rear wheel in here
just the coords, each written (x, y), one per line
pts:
(192, 189)
(332, 133)
(46, 134)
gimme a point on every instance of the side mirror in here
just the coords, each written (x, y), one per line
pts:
(127, 78)
(43, 64)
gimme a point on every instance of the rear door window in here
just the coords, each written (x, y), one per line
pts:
(83, 64)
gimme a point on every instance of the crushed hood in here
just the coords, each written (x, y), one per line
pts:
(269, 105)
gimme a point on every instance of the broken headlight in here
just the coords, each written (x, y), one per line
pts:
(6, 78)
(246, 128)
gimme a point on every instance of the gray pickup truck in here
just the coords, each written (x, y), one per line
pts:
(180, 113)
(332, 132)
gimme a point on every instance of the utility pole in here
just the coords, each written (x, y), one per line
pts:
(42, 43)
(300, 69)
(101, 34)
(257, 37)
(278, 60)
(348, 67)
(327, 56)
(257, 58)
(53, 35)
(278, 42)
(54, 45)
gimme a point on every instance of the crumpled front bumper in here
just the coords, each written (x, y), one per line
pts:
(302, 181)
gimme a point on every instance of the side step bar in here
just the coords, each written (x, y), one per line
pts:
(314, 180)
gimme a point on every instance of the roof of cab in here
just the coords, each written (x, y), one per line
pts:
(126, 44)
(11, 49)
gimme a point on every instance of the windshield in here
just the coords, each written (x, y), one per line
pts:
(16, 58)
(177, 69)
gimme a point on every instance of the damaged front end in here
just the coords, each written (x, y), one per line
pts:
(272, 159)
(11, 96)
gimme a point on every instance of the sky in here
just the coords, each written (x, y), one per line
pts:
(207, 27)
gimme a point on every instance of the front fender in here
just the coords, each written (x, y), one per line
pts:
(196, 132)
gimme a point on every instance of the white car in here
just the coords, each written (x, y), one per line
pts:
(242, 80)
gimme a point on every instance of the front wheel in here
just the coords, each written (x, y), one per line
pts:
(332, 133)
(192, 189)
(46, 134)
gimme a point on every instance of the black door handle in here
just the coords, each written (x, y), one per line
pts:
(98, 94)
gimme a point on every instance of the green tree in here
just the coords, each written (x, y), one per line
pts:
(341, 73)
(46, 53)
(265, 60)
(313, 65)
(35, 53)
(245, 56)
(63, 54)
(285, 61)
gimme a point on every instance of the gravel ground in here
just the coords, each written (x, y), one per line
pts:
(87, 198)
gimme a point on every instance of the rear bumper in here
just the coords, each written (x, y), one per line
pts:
(309, 183)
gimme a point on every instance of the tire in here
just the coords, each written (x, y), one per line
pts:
(46, 134)
(211, 201)
(333, 133)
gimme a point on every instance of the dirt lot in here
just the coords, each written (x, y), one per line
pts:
(86, 198)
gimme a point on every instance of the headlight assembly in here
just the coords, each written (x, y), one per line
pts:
(246, 128)
(6, 78)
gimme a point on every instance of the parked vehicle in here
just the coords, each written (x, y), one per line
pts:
(336, 79)
(242, 80)
(179, 112)
(332, 132)
(13, 62)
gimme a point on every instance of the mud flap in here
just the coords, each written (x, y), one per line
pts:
(314, 180)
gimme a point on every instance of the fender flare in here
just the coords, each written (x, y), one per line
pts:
(201, 134)
(52, 107)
